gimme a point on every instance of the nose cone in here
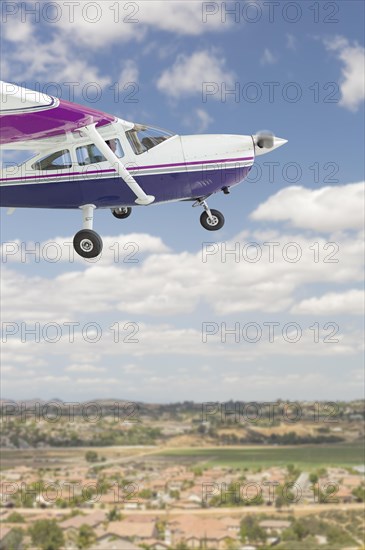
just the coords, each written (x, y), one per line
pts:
(278, 142)
(267, 144)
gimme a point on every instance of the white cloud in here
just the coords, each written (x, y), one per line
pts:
(47, 60)
(327, 209)
(204, 119)
(291, 42)
(159, 340)
(164, 282)
(193, 279)
(334, 303)
(84, 368)
(128, 248)
(130, 72)
(16, 30)
(199, 120)
(125, 21)
(188, 73)
(268, 58)
(353, 71)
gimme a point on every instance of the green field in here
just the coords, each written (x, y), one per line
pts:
(309, 456)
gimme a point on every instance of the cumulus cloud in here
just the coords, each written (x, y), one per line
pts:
(127, 248)
(291, 42)
(199, 120)
(328, 209)
(130, 72)
(125, 21)
(261, 267)
(204, 120)
(51, 59)
(188, 73)
(333, 303)
(268, 58)
(81, 368)
(352, 83)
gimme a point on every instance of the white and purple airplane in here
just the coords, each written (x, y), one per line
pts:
(88, 159)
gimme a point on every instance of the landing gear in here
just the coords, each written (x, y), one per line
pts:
(122, 213)
(212, 220)
(87, 243)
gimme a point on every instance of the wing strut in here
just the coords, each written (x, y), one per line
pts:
(104, 148)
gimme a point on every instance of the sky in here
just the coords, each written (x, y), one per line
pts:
(270, 306)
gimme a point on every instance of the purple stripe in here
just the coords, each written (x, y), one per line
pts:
(132, 168)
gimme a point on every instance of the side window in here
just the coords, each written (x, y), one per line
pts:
(90, 154)
(55, 161)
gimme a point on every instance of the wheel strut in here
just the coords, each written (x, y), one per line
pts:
(88, 215)
(204, 204)
(212, 220)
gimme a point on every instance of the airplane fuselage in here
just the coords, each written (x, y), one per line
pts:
(179, 168)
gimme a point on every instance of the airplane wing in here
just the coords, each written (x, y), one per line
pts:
(28, 115)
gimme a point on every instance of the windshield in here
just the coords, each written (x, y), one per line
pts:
(143, 138)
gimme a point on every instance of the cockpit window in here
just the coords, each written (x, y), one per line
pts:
(90, 154)
(55, 161)
(143, 138)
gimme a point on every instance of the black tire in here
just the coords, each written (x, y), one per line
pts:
(216, 223)
(87, 243)
(122, 213)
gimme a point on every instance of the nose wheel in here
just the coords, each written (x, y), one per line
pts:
(122, 213)
(212, 220)
(87, 243)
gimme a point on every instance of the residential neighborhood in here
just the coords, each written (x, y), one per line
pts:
(170, 486)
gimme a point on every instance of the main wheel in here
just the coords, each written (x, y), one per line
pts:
(87, 243)
(214, 223)
(122, 213)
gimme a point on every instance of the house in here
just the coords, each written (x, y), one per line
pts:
(138, 531)
(154, 544)
(233, 525)
(187, 504)
(196, 531)
(274, 525)
(352, 481)
(93, 520)
(343, 494)
(114, 543)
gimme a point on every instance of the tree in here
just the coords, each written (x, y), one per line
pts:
(91, 456)
(14, 539)
(358, 492)
(160, 528)
(279, 502)
(299, 530)
(313, 478)
(114, 515)
(47, 535)
(251, 530)
(86, 537)
(15, 517)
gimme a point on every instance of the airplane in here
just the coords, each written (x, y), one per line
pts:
(87, 159)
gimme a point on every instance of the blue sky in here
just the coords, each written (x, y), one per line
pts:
(314, 197)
